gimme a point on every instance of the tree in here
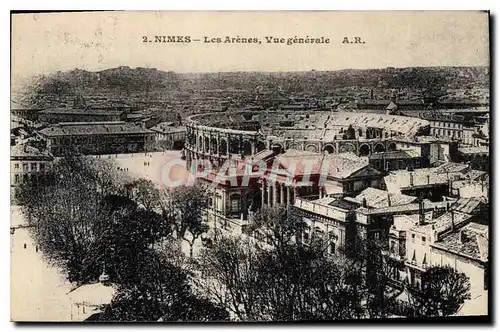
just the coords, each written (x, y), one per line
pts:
(131, 231)
(284, 280)
(442, 292)
(228, 275)
(62, 205)
(186, 205)
(278, 225)
(144, 193)
(302, 283)
(82, 219)
(160, 291)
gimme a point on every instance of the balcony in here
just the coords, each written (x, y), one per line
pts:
(415, 266)
(321, 209)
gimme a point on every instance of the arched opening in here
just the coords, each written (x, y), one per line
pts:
(329, 149)
(213, 145)
(391, 147)
(277, 148)
(379, 148)
(234, 145)
(312, 148)
(200, 143)
(223, 147)
(364, 150)
(260, 146)
(206, 144)
(347, 148)
(247, 148)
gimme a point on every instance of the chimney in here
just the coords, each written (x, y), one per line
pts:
(463, 236)
(421, 217)
(364, 204)
(411, 179)
(388, 199)
(428, 179)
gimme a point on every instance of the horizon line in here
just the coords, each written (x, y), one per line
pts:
(253, 70)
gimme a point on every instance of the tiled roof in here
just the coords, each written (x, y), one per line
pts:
(93, 128)
(397, 180)
(399, 154)
(467, 205)
(405, 208)
(380, 198)
(471, 240)
(165, 128)
(442, 223)
(26, 151)
(474, 174)
(451, 167)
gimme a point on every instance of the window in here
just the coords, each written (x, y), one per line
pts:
(235, 203)
(423, 239)
(25, 167)
(306, 236)
(16, 166)
(33, 166)
(413, 238)
(16, 178)
(42, 166)
(331, 248)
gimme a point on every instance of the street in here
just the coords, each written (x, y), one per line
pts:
(38, 290)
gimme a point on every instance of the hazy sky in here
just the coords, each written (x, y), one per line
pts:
(45, 43)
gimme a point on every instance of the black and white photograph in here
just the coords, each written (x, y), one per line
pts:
(224, 166)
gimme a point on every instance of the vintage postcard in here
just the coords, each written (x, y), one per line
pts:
(250, 166)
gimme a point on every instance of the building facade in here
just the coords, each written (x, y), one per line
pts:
(92, 138)
(26, 162)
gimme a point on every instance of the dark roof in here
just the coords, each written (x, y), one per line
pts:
(92, 111)
(343, 204)
(467, 205)
(93, 128)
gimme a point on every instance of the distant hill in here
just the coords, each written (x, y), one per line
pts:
(126, 80)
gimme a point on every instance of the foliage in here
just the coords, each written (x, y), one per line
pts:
(278, 225)
(294, 282)
(160, 291)
(186, 206)
(229, 276)
(82, 218)
(442, 292)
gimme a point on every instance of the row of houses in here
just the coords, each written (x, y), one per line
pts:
(420, 218)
